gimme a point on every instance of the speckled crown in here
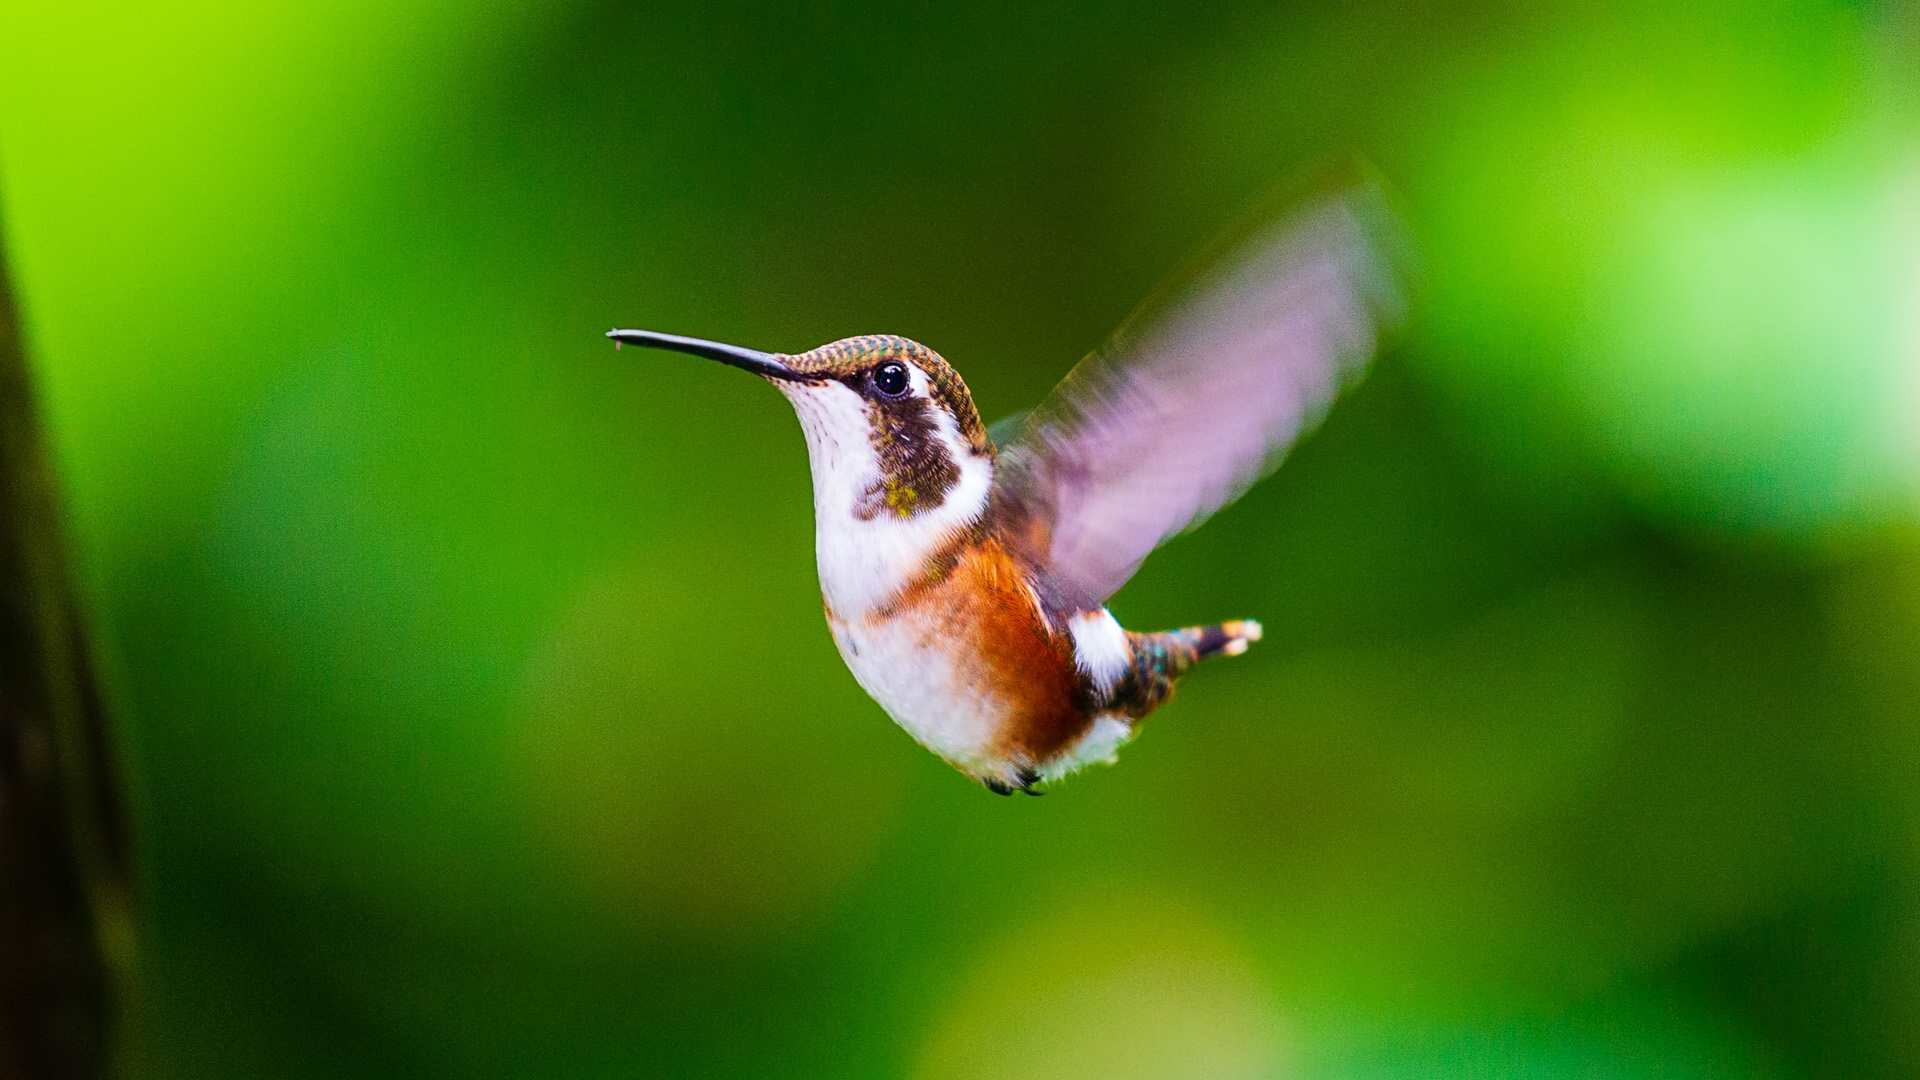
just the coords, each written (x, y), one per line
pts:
(850, 357)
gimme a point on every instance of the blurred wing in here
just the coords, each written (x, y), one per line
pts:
(1198, 398)
(1005, 430)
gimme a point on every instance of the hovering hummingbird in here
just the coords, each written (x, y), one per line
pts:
(965, 573)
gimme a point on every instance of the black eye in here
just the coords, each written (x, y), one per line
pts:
(890, 378)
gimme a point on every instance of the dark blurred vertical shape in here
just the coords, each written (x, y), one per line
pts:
(64, 856)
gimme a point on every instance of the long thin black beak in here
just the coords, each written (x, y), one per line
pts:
(757, 362)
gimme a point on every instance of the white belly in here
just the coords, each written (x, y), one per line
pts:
(918, 680)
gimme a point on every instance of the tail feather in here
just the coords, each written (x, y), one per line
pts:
(1160, 659)
(1223, 639)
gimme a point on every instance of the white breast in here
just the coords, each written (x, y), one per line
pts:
(914, 677)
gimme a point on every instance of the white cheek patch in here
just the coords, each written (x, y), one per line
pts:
(1100, 648)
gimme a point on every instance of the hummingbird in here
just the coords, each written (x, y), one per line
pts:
(965, 572)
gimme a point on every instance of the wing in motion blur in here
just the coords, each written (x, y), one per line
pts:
(1200, 396)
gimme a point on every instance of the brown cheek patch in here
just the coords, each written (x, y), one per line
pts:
(916, 472)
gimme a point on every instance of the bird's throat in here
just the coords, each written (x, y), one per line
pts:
(889, 493)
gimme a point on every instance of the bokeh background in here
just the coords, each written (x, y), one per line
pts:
(480, 715)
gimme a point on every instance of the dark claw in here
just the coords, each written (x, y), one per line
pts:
(998, 787)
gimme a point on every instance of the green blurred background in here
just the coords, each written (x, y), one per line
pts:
(479, 710)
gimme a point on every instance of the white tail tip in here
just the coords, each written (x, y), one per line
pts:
(1241, 631)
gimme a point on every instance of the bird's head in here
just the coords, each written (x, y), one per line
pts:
(885, 414)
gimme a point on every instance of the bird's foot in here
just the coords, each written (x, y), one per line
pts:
(1023, 779)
